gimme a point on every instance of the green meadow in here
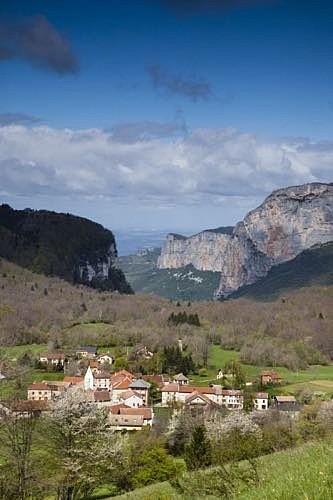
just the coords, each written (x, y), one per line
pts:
(317, 378)
(303, 473)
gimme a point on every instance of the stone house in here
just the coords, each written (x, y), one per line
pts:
(270, 377)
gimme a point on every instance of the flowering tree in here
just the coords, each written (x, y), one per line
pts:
(87, 451)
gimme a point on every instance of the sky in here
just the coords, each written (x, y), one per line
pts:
(163, 114)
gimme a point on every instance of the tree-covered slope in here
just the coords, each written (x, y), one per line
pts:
(186, 283)
(311, 267)
(63, 245)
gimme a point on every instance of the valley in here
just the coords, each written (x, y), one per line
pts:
(180, 393)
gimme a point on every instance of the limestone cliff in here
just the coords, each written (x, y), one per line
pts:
(289, 221)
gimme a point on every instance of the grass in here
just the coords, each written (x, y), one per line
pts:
(303, 473)
(11, 353)
(315, 378)
(159, 491)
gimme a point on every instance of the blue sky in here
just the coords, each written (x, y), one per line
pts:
(163, 113)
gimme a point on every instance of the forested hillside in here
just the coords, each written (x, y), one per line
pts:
(73, 248)
(311, 267)
(294, 330)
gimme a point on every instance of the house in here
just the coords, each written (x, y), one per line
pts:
(121, 417)
(177, 393)
(23, 408)
(45, 390)
(94, 365)
(159, 380)
(52, 358)
(105, 358)
(70, 381)
(132, 399)
(141, 351)
(102, 398)
(141, 387)
(232, 399)
(270, 377)
(286, 403)
(96, 381)
(180, 379)
(260, 401)
(102, 381)
(86, 351)
(39, 391)
(120, 382)
(199, 400)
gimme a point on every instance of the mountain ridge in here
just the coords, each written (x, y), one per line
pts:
(60, 244)
(287, 222)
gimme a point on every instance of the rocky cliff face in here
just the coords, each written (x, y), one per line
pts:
(289, 221)
(72, 248)
(205, 251)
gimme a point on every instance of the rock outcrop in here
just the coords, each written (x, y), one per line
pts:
(289, 221)
(73, 248)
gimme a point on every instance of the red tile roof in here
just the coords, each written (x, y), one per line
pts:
(102, 396)
(123, 373)
(102, 375)
(121, 383)
(39, 386)
(188, 389)
(129, 394)
(115, 409)
(158, 379)
(144, 411)
(73, 380)
(27, 405)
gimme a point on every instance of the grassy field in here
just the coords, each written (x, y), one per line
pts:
(11, 353)
(159, 491)
(316, 378)
(303, 473)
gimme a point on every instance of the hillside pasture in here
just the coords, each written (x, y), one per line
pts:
(315, 378)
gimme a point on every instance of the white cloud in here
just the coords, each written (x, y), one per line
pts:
(204, 166)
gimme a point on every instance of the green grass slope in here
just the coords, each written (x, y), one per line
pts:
(185, 283)
(311, 267)
(300, 473)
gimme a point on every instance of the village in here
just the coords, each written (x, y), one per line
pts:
(127, 397)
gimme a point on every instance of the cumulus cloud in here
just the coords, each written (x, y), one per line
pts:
(190, 87)
(35, 40)
(204, 167)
